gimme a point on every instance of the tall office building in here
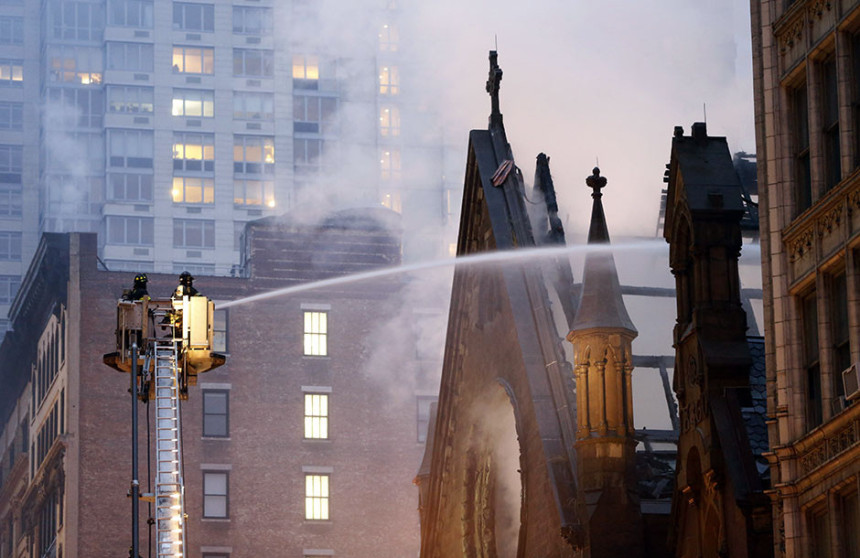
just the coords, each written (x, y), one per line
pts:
(165, 126)
(807, 98)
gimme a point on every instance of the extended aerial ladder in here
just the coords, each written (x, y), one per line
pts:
(165, 344)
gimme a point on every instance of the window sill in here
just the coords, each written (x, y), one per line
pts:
(317, 440)
(215, 519)
(216, 438)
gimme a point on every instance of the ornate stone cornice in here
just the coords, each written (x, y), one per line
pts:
(821, 220)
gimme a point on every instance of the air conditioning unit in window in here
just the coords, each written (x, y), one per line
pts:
(850, 382)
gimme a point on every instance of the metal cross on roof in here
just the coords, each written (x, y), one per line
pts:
(493, 83)
(596, 182)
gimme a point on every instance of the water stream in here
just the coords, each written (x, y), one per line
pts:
(499, 257)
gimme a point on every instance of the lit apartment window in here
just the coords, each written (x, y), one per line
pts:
(130, 13)
(251, 20)
(830, 123)
(388, 38)
(11, 72)
(215, 494)
(10, 200)
(193, 233)
(193, 102)
(389, 80)
(316, 333)
(389, 121)
(251, 62)
(809, 317)
(389, 164)
(131, 99)
(193, 60)
(130, 187)
(130, 148)
(193, 17)
(219, 331)
(253, 106)
(193, 152)
(254, 192)
(216, 416)
(11, 30)
(306, 72)
(800, 147)
(316, 416)
(79, 65)
(130, 57)
(190, 189)
(312, 113)
(11, 115)
(253, 155)
(76, 21)
(78, 106)
(9, 285)
(316, 497)
(133, 231)
(391, 200)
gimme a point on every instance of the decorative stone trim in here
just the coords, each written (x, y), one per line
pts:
(829, 447)
(817, 8)
(799, 237)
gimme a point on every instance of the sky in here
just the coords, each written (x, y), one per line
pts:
(592, 81)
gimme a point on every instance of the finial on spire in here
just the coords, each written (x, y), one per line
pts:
(596, 182)
(493, 84)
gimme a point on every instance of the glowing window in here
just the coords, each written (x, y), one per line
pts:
(389, 121)
(193, 60)
(316, 333)
(316, 497)
(306, 67)
(391, 200)
(193, 102)
(389, 164)
(389, 80)
(188, 189)
(215, 494)
(193, 152)
(254, 192)
(253, 155)
(11, 72)
(316, 416)
(388, 38)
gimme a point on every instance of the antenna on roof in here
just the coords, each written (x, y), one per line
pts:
(496, 39)
(596, 161)
(705, 112)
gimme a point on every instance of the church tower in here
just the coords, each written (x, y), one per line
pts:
(602, 335)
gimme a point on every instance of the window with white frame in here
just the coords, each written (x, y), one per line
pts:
(193, 189)
(130, 13)
(252, 62)
(10, 246)
(193, 102)
(11, 204)
(315, 333)
(193, 152)
(130, 57)
(253, 154)
(131, 99)
(131, 149)
(76, 21)
(9, 285)
(254, 192)
(306, 72)
(219, 331)
(11, 30)
(248, 105)
(316, 416)
(189, 16)
(216, 413)
(193, 233)
(216, 494)
(75, 64)
(193, 60)
(11, 115)
(129, 187)
(11, 72)
(132, 231)
(317, 497)
(252, 20)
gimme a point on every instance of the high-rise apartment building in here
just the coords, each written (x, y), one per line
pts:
(165, 126)
(806, 56)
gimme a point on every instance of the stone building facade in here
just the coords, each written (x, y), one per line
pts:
(287, 447)
(806, 57)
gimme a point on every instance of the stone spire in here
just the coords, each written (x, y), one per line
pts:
(601, 304)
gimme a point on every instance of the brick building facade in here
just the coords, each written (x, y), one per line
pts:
(806, 57)
(298, 446)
